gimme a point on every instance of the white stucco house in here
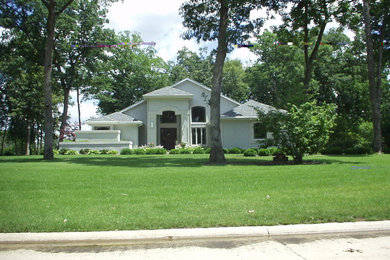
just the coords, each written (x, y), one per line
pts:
(175, 114)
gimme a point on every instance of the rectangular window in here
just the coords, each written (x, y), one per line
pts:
(259, 132)
(199, 135)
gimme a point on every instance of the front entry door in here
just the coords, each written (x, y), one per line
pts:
(168, 137)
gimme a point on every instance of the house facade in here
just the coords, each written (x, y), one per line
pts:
(171, 115)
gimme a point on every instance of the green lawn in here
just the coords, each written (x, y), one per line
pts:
(85, 193)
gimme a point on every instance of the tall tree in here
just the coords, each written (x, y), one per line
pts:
(375, 72)
(228, 22)
(53, 13)
(127, 74)
(73, 64)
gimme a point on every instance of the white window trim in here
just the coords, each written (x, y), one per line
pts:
(196, 136)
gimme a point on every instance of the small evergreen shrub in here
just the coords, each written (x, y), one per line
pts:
(198, 150)
(250, 152)
(139, 151)
(71, 152)
(126, 151)
(273, 151)
(263, 152)
(55, 152)
(84, 151)
(225, 151)
(63, 151)
(104, 151)
(112, 152)
(93, 152)
(235, 150)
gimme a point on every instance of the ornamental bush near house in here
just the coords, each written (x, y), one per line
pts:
(63, 151)
(235, 150)
(208, 150)
(264, 152)
(84, 151)
(174, 151)
(104, 151)
(225, 151)
(71, 152)
(139, 151)
(55, 151)
(126, 151)
(185, 151)
(250, 152)
(155, 151)
(198, 150)
(112, 152)
(93, 152)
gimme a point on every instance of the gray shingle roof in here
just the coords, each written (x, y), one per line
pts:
(168, 91)
(114, 117)
(247, 110)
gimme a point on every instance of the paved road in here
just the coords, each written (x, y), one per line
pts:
(373, 245)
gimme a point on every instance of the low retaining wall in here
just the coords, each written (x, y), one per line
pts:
(77, 146)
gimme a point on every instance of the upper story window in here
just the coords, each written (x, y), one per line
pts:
(168, 117)
(198, 114)
(259, 132)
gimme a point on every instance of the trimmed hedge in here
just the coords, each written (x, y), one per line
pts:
(235, 150)
(126, 151)
(250, 152)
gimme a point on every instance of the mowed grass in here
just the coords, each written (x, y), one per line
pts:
(85, 193)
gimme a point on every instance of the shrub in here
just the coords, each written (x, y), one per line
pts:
(104, 151)
(250, 152)
(126, 151)
(55, 152)
(208, 150)
(155, 151)
(185, 151)
(112, 152)
(273, 151)
(264, 152)
(235, 150)
(225, 151)
(198, 150)
(84, 151)
(9, 151)
(139, 151)
(174, 151)
(333, 150)
(63, 151)
(93, 152)
(71, 152)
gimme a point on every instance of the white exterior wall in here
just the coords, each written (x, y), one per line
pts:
(238, 133)
(157, 106)
(139, 113)
(128, 133)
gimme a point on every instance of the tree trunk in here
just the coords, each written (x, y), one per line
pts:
(78, 106)
(216, 155)
(374, 89)
(48, 155)
(28, 137)
(4, 132)
(64, 111)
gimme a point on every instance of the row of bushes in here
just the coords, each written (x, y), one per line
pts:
(66, 151)
(128, 151)
(336, 150)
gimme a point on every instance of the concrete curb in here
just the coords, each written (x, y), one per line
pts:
(118, 237)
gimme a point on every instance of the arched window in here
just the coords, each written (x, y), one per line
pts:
(259, 132)
(198, 114)
(168, 117)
